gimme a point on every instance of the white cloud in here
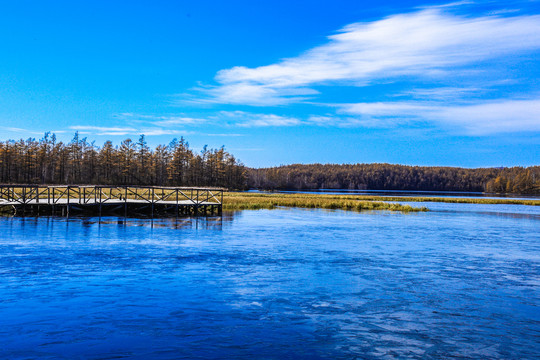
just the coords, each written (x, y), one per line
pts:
(445, 93)
(427, 43)
(26, 132)
(122, 131)
(247, 119)
(342, 121)
(494, 117)
(254, 94)
(161, 120)
(449, 5)
(13, 129)
(489, 117)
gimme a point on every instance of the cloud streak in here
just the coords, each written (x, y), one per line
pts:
(489, 117)
(426, 44)
(161, 120)
(123, 131)
(248, 119)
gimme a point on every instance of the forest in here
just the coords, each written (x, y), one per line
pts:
(396, 177)
(48, 161)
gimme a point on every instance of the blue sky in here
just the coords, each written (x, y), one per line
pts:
(280, 82)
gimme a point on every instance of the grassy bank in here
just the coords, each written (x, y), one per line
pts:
(256, 201)
(531, 202)
(444, 200)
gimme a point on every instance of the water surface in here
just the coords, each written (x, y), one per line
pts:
(460, 281)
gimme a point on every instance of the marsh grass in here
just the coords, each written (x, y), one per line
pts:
(231, 195)
(450, 200)
(257, 201)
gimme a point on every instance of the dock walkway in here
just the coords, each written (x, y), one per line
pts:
(110, 200)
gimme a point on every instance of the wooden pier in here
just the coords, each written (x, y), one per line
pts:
(98, 200)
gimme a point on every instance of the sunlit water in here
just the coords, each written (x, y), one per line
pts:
(461, 281)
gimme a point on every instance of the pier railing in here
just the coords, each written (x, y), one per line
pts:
(102, 194)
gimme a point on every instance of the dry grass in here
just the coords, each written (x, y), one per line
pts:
(256, 201)
(446, 200)
(231, 195)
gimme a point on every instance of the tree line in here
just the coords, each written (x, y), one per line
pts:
(48, 161)
(396, 177)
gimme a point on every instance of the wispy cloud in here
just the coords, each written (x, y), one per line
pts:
(427, 44)
(444, 93)
(13, 129)
(448, 5)
(160, 120)
(247, 119)
(123, 131)
(27, 131)
(488, 117)
(134, 124)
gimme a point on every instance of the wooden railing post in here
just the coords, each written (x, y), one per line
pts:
(176, 202)
(100, 201)
(152, 206)
(67, 209)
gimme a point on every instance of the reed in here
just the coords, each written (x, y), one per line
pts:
(231, 195)
(257, 201)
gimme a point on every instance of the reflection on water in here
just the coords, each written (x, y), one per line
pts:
(455, 282)
(214, 222)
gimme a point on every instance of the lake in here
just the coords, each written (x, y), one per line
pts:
(460, 281)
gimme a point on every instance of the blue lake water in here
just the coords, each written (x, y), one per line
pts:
(461, 281)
